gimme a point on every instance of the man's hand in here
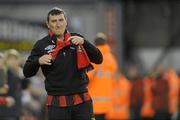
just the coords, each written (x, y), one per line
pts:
(76, 40)
(10, 101)
(45, 60)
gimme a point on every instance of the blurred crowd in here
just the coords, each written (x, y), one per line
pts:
(20, 98)
(116, 96)
(132, 95)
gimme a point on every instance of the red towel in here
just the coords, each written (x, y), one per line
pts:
(82, 57)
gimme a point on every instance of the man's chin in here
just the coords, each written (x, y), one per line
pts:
(58, 34)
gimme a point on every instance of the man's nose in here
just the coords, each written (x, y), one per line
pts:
(58, 24)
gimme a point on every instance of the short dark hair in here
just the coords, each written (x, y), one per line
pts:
(55, 11)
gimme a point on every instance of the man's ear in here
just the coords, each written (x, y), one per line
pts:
(47, 24)
(66, 24)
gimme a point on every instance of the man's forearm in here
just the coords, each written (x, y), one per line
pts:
(94, 53)
(31, 67)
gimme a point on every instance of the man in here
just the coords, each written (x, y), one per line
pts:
(101, 78)
(64, 59)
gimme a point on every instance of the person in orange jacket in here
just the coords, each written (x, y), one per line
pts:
(120, 109)
(147, 111)
(178, 114)
(101, 78)
(173, 80)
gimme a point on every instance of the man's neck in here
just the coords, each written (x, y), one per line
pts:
(60, 37)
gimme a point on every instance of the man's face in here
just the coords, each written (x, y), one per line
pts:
(57, 24)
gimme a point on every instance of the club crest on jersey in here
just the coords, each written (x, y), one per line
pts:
(50, 48)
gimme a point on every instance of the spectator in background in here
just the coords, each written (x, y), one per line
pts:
(178, 114)
(4, 100)
(64, 58)
(3, 76)
(120, 109)
(38, 93)
(167, 94)
(137, 92)
(147, 111)
(30, 106)
(160, 91)
(101, 78)
(173, 80)
(14, 77)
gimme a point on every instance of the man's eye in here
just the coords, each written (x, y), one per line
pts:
(61, 20)
(53, 21)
